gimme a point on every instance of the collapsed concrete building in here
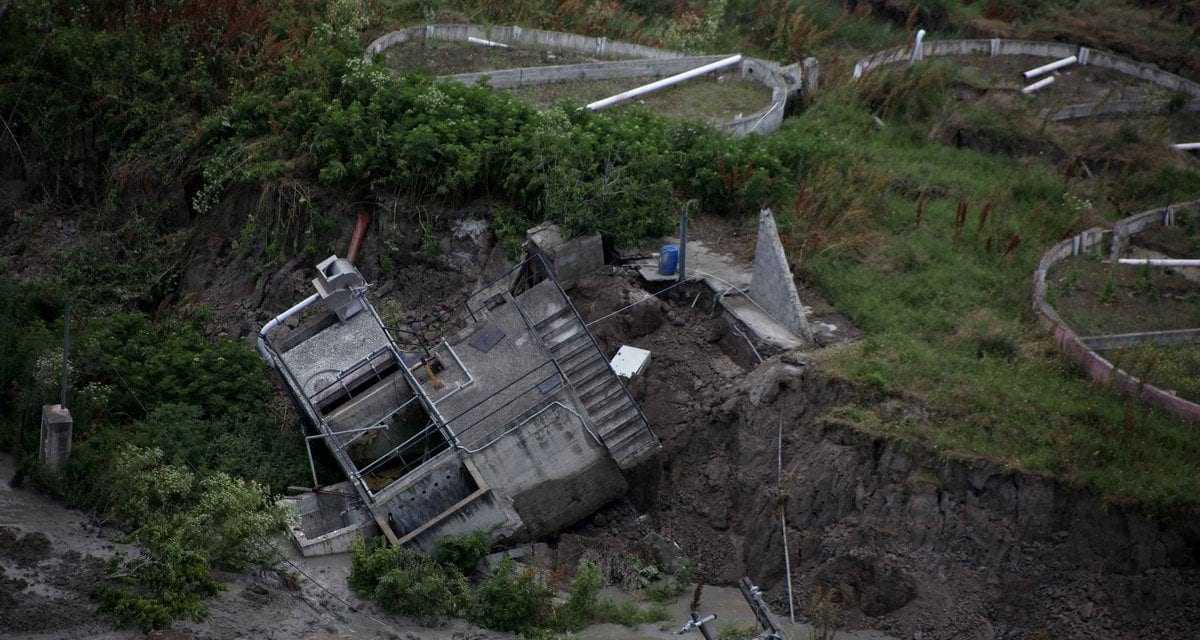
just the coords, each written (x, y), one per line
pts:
(515, 425)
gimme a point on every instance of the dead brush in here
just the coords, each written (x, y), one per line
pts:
(984, 214)
(828, 216)
(1010, 247)
(915, 94)
(283, 212)
(799, 31)
(960, 219)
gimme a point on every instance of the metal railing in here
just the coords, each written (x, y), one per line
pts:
(340, 379)
(520, 422)
(428, 441)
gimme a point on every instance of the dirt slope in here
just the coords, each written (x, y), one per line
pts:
(911, 543)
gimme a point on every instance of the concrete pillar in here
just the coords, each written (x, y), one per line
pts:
(812, 76)
(55, 444)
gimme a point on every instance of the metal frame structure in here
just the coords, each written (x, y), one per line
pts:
(537, 397)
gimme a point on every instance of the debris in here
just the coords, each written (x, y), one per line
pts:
(630, 361)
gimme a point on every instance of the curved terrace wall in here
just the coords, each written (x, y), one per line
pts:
(1087, 56)
(644, 62)
(1080, 349)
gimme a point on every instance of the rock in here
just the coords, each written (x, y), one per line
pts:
(665, 554)
(536, 554)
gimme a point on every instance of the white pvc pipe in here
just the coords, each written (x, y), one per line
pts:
(1161, 262)
(486, 43)
(1047, 68)
(1187, 146)
(918, 53)
(278, 320)
(664, 83)
(1044, 82)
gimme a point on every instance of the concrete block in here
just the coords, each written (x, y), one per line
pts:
(771, 285)
(55, 447)
(335, 278)
(569, 260)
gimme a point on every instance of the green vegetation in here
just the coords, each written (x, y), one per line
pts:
(512, 599)
(734, 631)
(713, 100)
(942, 292)
(184, 526)
(173, 442)
(462, 552)
(1099, 298)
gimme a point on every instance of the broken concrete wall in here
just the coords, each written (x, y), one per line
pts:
(554, 471)
(329, 521)
(771, 284)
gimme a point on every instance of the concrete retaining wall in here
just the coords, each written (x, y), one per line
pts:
(644, 62)
(1087, 56)
(514, 35)
(1098, 368)
(526, 76)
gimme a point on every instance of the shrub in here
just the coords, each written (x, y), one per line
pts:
(462, 552)
(422, 588)
(580, 607)
(184, 527)
(406, 581)
(512, 600)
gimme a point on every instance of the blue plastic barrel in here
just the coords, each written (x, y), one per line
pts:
(668, 259)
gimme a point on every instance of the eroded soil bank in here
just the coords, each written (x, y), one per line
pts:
(907, 541)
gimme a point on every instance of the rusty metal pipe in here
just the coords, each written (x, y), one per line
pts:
(360, 231)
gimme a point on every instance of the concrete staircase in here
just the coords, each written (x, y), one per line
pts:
(613, 413)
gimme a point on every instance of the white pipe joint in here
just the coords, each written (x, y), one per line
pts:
(1187, 146)
(1047, 68)
(918, 52)
(664, 83)
(1040, 84)
(486, 43)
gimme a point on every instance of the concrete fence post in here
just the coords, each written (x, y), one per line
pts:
(54, 448)
(812, 75)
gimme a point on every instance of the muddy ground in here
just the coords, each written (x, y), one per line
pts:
(909, 542)
(52, 559)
